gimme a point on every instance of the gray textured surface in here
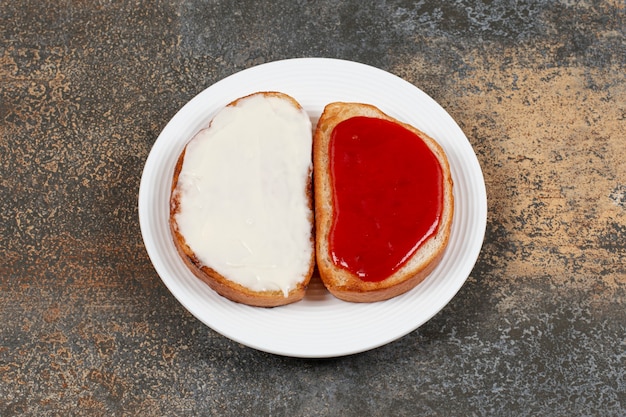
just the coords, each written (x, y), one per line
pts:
(88, 327)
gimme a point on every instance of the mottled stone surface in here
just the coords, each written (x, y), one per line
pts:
(89, 329)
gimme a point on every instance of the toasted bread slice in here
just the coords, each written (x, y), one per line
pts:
(241, 201)
(342, 279)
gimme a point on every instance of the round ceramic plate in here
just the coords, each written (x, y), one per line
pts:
(320, 325)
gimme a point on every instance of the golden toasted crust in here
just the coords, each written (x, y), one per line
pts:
(339, 281)
(215, 280)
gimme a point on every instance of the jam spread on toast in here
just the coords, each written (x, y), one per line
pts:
(387, 196)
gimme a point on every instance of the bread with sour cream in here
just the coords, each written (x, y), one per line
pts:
(241, 210)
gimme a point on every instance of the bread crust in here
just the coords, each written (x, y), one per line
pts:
(222, 285)
(339, 281)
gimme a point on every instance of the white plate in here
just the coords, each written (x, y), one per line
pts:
(320, 325)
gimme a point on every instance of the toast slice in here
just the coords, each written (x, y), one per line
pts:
(241, 210)
(352, 239)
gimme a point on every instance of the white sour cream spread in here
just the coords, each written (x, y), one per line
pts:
(244, 210)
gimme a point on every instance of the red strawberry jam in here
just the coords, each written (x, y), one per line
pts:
(387, 196)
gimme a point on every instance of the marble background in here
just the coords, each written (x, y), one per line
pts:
(88, 328)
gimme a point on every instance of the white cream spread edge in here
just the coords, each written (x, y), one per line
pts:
(244, 210)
